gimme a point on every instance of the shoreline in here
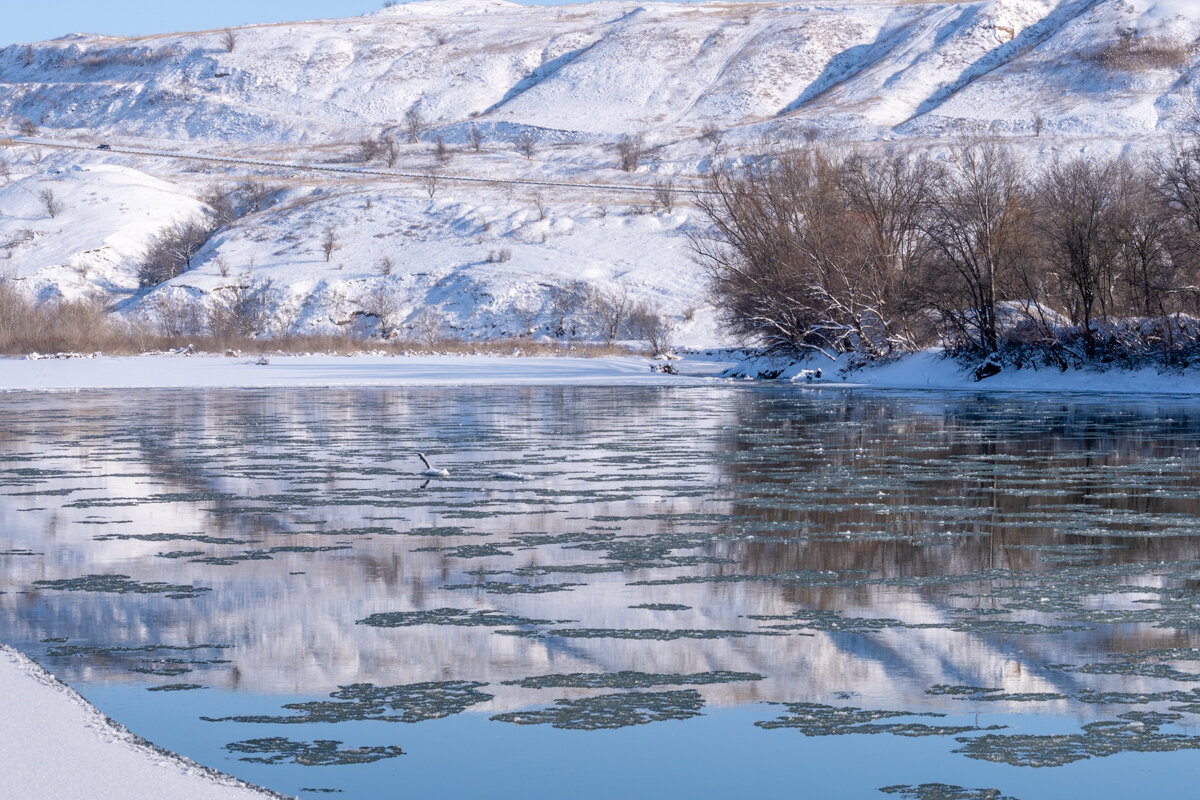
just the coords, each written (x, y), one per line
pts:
(55, 744)
(928, 370)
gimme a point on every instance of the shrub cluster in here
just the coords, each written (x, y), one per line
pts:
(1089, 259)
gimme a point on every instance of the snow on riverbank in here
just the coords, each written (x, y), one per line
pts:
(927, 370)
(171, 371)
(54, 744)
(933, 370)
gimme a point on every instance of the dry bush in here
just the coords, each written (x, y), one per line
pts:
(526, 143)
(665, 194)
(382, 302)
(607, 311)
(231, 203)
(648, 324)
(27, 127)
(228, 40)
(329, 242)
(240, 310)
(475, 138)
(171, 253)
(414, 125)
(630, 150)
(441, 151)
(566, 302)
(53, 205)
(1133, 53)
(428, 326)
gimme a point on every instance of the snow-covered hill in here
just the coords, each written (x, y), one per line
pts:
(1052, 75)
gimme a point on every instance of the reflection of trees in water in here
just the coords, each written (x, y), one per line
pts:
(715, 463)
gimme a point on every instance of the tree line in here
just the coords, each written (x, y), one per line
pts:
(1090, 259)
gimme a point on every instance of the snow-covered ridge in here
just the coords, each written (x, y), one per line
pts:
(864, 69)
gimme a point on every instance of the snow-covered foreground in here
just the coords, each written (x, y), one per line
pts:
(929, 370)
(54, 744)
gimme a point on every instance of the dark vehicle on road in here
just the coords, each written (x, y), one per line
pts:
(104, 147)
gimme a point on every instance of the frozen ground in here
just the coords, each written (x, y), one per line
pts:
(54, 745)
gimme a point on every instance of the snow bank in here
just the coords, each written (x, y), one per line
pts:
(54, 744)
(159, 371)
(933, 370)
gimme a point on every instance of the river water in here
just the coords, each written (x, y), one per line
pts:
(636, 591)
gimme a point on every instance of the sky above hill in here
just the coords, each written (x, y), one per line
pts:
(32, 22)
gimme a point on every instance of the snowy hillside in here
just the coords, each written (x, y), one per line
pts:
(1051, 75)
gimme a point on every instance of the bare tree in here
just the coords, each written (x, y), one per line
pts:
(368, 149)
(1076, 205)
(565, 302)
(664, 194)
(630, 149)
(329, 242)
(526, 143)
(27, 127)
(649, 324)
(979, 230)
(441, 152)
(608, 312)
(428, 326)
(27, 56)
(228, 40)
(432, 182)
(385, 266)
(240, 309)
(475, 138)
(391, 153)
(414, 124)
(171, 253)
(527, 310)
(5, 169)
(382, 302)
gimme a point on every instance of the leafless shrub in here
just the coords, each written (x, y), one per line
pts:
(329, 242)
(231, 203)
(222, 266)
(53, 205)
(1133, 53)
(428, 326)
(240, 309)
(608, 311)
(26, 127)
(630, 150)
(648, 324)
(689, 313)
(382, 302)
(27, 56)
(390, 152)
(36, 155)
(475, 138)
(539, 203)
(414, 124)
(432, 182)
(176, 316)
(526, 143)
(526, 310)
(171, 253)
(664, 194)
(499, 256)
(566, 301)
(441, 152)
(228, 40)
(390, 3)
(5, 170)
(368, 150)
(385, 266)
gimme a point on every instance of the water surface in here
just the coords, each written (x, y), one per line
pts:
(714, 590)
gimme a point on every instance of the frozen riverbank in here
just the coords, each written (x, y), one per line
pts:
(926, 370)
(54, 744)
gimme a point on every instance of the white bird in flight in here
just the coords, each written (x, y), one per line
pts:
(430, 471)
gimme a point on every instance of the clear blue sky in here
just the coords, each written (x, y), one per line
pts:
(31, 20)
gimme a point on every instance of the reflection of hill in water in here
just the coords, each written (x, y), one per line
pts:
(303, 513)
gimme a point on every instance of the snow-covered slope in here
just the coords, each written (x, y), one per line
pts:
(1051, 75)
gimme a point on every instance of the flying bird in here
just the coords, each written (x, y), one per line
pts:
(430, 471)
